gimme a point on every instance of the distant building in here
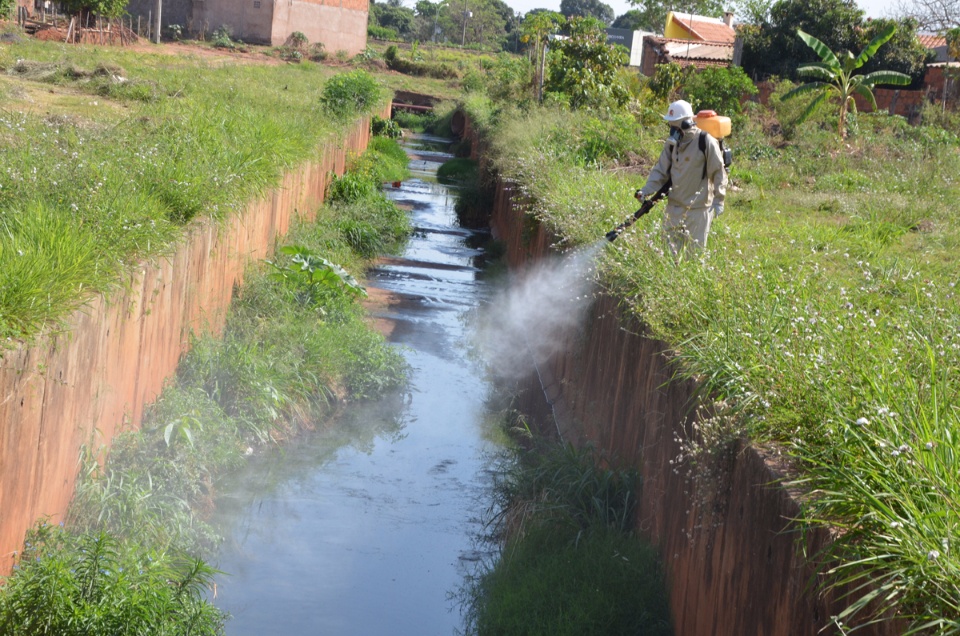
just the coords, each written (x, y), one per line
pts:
(630, 40)
(687, 26)
(338, 24)
(935, 43)
(691, 40)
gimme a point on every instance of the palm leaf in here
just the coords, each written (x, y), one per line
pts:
(819, 71)
(812, 107)
(820, 48)
(806, 88)
(886, 77)
(875, 44)
(864, 91)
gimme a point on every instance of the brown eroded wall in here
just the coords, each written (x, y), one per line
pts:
(729, 548)
(83, 386)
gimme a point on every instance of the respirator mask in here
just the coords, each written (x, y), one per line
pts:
(676, 132)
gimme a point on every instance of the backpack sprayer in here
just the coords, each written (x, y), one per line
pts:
(707, 121)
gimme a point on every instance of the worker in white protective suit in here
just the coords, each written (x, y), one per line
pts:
(699, 180)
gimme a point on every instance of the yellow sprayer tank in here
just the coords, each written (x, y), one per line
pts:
(717, 125)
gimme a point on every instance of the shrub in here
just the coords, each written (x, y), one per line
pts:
(222, 39)
(720, 89)
(666, 81)
(385, 128)
(568, 583)
(317, 52)
(382, 33)
(350, 93)
(415, 67)
(568, 564)
(92, 585)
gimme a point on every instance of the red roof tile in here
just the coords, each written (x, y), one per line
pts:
(931, 41)
(706, 29)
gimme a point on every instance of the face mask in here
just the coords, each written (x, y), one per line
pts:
(675, 134)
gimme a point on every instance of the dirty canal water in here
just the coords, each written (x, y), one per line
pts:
(366, 528)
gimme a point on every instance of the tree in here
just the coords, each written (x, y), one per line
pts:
(752, 11)
(718, 88)
(428, 19)
(931, 15)
(632, 20)
(836, 77)
(587, 9)
(772, 48)
(536, 28)
(584, 67)
(109, 9)
(655, 11)
(392, 16)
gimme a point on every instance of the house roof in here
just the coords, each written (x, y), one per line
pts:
(935, 43)
(703, 28)
(691, 50)
(931, 40)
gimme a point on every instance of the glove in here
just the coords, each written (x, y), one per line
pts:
(638, 195)
(717, 209)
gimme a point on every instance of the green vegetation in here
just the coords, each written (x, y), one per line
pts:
(133, 148)
(823, 318)
(478, 24)
(295, 344)
(584, 68)
(838, 78)
(350, 93)
(771, 47)
(92, 585)
(457, 170)
(569, 563)
(717, 88)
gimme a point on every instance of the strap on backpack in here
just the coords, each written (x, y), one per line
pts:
(725, 154)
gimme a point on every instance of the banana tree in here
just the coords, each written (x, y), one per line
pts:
(835, 76)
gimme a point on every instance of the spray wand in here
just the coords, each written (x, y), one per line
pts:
(644, 208)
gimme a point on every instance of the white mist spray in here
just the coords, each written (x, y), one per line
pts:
(526, 322)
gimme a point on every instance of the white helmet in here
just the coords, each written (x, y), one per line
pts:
(678, 110)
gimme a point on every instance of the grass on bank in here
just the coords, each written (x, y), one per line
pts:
(568, 562)
(824, 317)
(161, 140)
(294, 346)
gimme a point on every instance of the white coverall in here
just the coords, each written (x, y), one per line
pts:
(693, 198)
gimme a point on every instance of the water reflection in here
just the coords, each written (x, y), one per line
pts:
(366, 527)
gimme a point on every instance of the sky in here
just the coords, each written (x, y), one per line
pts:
(873, 8)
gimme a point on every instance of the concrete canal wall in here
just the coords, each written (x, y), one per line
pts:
(85, 385)
(731, 552)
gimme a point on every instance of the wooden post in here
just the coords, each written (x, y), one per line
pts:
(159, 23)
(149, 25)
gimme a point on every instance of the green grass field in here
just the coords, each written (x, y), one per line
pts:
(108, 153)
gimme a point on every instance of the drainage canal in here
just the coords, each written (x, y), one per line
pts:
(367, 527)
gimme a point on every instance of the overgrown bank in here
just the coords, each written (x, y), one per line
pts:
(109, 154)
(569, 560)
(296, 344)
(821, 319)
